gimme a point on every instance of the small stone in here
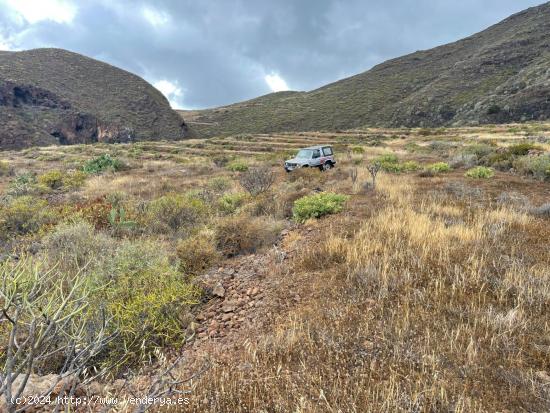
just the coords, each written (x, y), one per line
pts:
(228, 308)
(255, 291)
(227, 317)
(219, 291)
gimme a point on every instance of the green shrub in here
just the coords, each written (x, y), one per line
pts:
(198, 253)
(315, 206)
(74, 179)
(52, 179)
(521, 149)
(103, 163)
(23, 215)
(174, 213)
(237, 166)
(22, 184)
(536, 166)
(245, 235)
(5, 168)
(358, 149)
(410, 166)
(77, 246)
(147, 298)
(439, 167)
(229, 203)
(389, 163)
(479, 172)
(479, 149)
(219, 184)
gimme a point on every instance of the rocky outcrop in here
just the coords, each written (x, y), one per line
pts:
(85, 128)
(16, 95)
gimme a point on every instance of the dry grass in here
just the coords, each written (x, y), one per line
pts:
(412, 313)
(426, 294)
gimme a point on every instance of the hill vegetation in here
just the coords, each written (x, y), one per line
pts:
(499, 75)
(53, 96)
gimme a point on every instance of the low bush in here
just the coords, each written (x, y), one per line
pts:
(479, 172)
(318, 205)
(103, 163)
(237, 166)
(219, 184)
(480, 150)
(220, 161)
(439, 167)
(174, 213)
(389, 163)
(229, 203)
(56, 179)
(536, 166)
(257, 180)
(53, 179)
(77, 246)
(23, 184)
(410, 166)
(23, 215)
(522, 149)
(74, 179)
(198, 253)
(245, 235)
(96, 212)
(465, 160)
(5, 168)
(147, 298)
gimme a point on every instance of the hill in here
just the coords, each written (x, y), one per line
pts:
(499, 75)
(52, 96)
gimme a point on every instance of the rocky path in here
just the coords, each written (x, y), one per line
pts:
(245, 295)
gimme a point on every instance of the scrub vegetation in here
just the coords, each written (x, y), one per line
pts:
(426, 292)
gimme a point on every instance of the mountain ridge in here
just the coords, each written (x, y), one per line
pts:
(498, 75)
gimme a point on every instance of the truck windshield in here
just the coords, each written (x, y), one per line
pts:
(304, 153)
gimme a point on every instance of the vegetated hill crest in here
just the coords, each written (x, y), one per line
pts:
(499, 75)
(52, 96)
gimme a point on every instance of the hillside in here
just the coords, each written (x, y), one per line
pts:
(52, 96)
(499, 75)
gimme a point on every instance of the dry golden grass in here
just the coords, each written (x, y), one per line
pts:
(416, 298)
(430, 306)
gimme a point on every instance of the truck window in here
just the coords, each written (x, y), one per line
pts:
(327, 151)
(316, 153)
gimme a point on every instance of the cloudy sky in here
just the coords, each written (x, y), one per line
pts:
(214, 52)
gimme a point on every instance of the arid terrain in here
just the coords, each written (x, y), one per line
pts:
(307, 291)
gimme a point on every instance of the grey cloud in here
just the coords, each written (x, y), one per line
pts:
(219, 51)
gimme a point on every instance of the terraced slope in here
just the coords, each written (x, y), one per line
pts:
(52, 96)
(500, 75)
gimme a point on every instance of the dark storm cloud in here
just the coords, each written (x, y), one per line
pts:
(219, 52)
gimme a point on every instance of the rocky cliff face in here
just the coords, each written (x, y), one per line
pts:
(52, 96)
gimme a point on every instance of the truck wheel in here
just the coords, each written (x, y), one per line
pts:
(326, 166)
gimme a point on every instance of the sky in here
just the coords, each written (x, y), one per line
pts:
(209, 53)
